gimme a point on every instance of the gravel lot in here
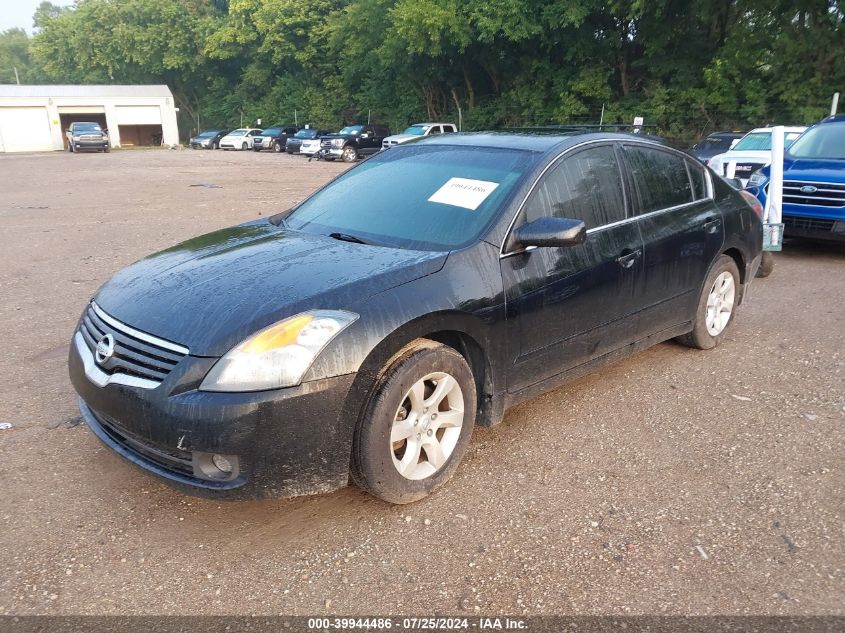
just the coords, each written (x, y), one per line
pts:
(674, 482)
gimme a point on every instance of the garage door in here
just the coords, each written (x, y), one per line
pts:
(25, 130)
(138, 115)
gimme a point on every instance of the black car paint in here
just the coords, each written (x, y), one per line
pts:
(704, 151)
(525, 321)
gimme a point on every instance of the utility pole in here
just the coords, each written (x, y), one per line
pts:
(18, 79)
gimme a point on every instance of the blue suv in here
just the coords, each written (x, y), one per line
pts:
(813, 182)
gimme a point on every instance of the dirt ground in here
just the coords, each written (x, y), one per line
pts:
(674, 482)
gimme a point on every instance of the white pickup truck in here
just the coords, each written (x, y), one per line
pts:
(418, 130)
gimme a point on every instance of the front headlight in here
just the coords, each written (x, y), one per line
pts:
(278, 356)
(338, 142)
(757, 178)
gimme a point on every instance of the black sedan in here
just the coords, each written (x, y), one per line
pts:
(209, 139)
(716, 143)
(367, 330)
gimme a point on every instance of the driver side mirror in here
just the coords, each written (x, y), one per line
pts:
(560, 232)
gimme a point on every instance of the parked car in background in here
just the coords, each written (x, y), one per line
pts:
(751, 152)
(352, 142)
(716, 143)
(310, 147)
(418, 130)
(294, 143)
(366, 331)
(209, 139)
(240, 139)
(87, 135)
(274, 138)
(813, 182)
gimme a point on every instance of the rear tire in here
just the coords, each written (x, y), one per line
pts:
(278, 148)
(716, 305)
(767, 264)
(416, 425)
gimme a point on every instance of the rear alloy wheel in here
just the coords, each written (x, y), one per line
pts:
(417, 424)
(716, 305)
(349, 155)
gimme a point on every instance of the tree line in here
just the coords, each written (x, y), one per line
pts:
(688, 67)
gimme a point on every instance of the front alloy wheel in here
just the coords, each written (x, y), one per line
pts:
(416, 425)
(349, 155)
(427, 426)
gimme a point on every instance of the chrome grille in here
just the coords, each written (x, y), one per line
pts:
(326, 143)
(135, 353)
(815, 194)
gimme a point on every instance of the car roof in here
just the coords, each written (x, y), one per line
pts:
(787, 128)
(539, 140)
(836, 118)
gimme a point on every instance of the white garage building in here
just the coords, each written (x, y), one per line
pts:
(34, 118)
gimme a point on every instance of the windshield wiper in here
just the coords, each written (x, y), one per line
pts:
(346, 237)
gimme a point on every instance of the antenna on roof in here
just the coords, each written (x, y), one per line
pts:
(834, 105)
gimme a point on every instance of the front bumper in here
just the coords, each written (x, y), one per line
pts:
(90, 144)
(285, 442)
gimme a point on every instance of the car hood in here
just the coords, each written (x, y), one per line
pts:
(212, 291)
(401, 138)
(811, 170)
(757, 156)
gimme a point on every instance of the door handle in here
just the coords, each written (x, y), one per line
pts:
(712, 225)
(626, 260)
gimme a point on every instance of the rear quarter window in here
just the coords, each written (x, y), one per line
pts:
(699, 181)
(660, 178)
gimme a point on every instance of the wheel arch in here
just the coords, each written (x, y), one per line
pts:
(460, 331)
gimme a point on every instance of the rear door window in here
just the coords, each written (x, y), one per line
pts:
(584, 186)
(660, 178)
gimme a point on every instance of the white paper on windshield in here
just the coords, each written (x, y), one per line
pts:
(464, 192)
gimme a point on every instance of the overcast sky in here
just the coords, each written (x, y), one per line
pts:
(19, 13)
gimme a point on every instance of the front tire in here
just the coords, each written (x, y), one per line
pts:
(244, 146)
(416, 425)
(278, 148)
(716, 305)
(349, 155)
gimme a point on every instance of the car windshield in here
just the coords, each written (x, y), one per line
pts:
(207, 134)
(237, 133)
(306, 134)
(432, 197)
(416, 130)
(716, 143)
(762, 141)
(755, 141)
(87, 127)
(352, 129)
(272, 131)
(822, 142)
